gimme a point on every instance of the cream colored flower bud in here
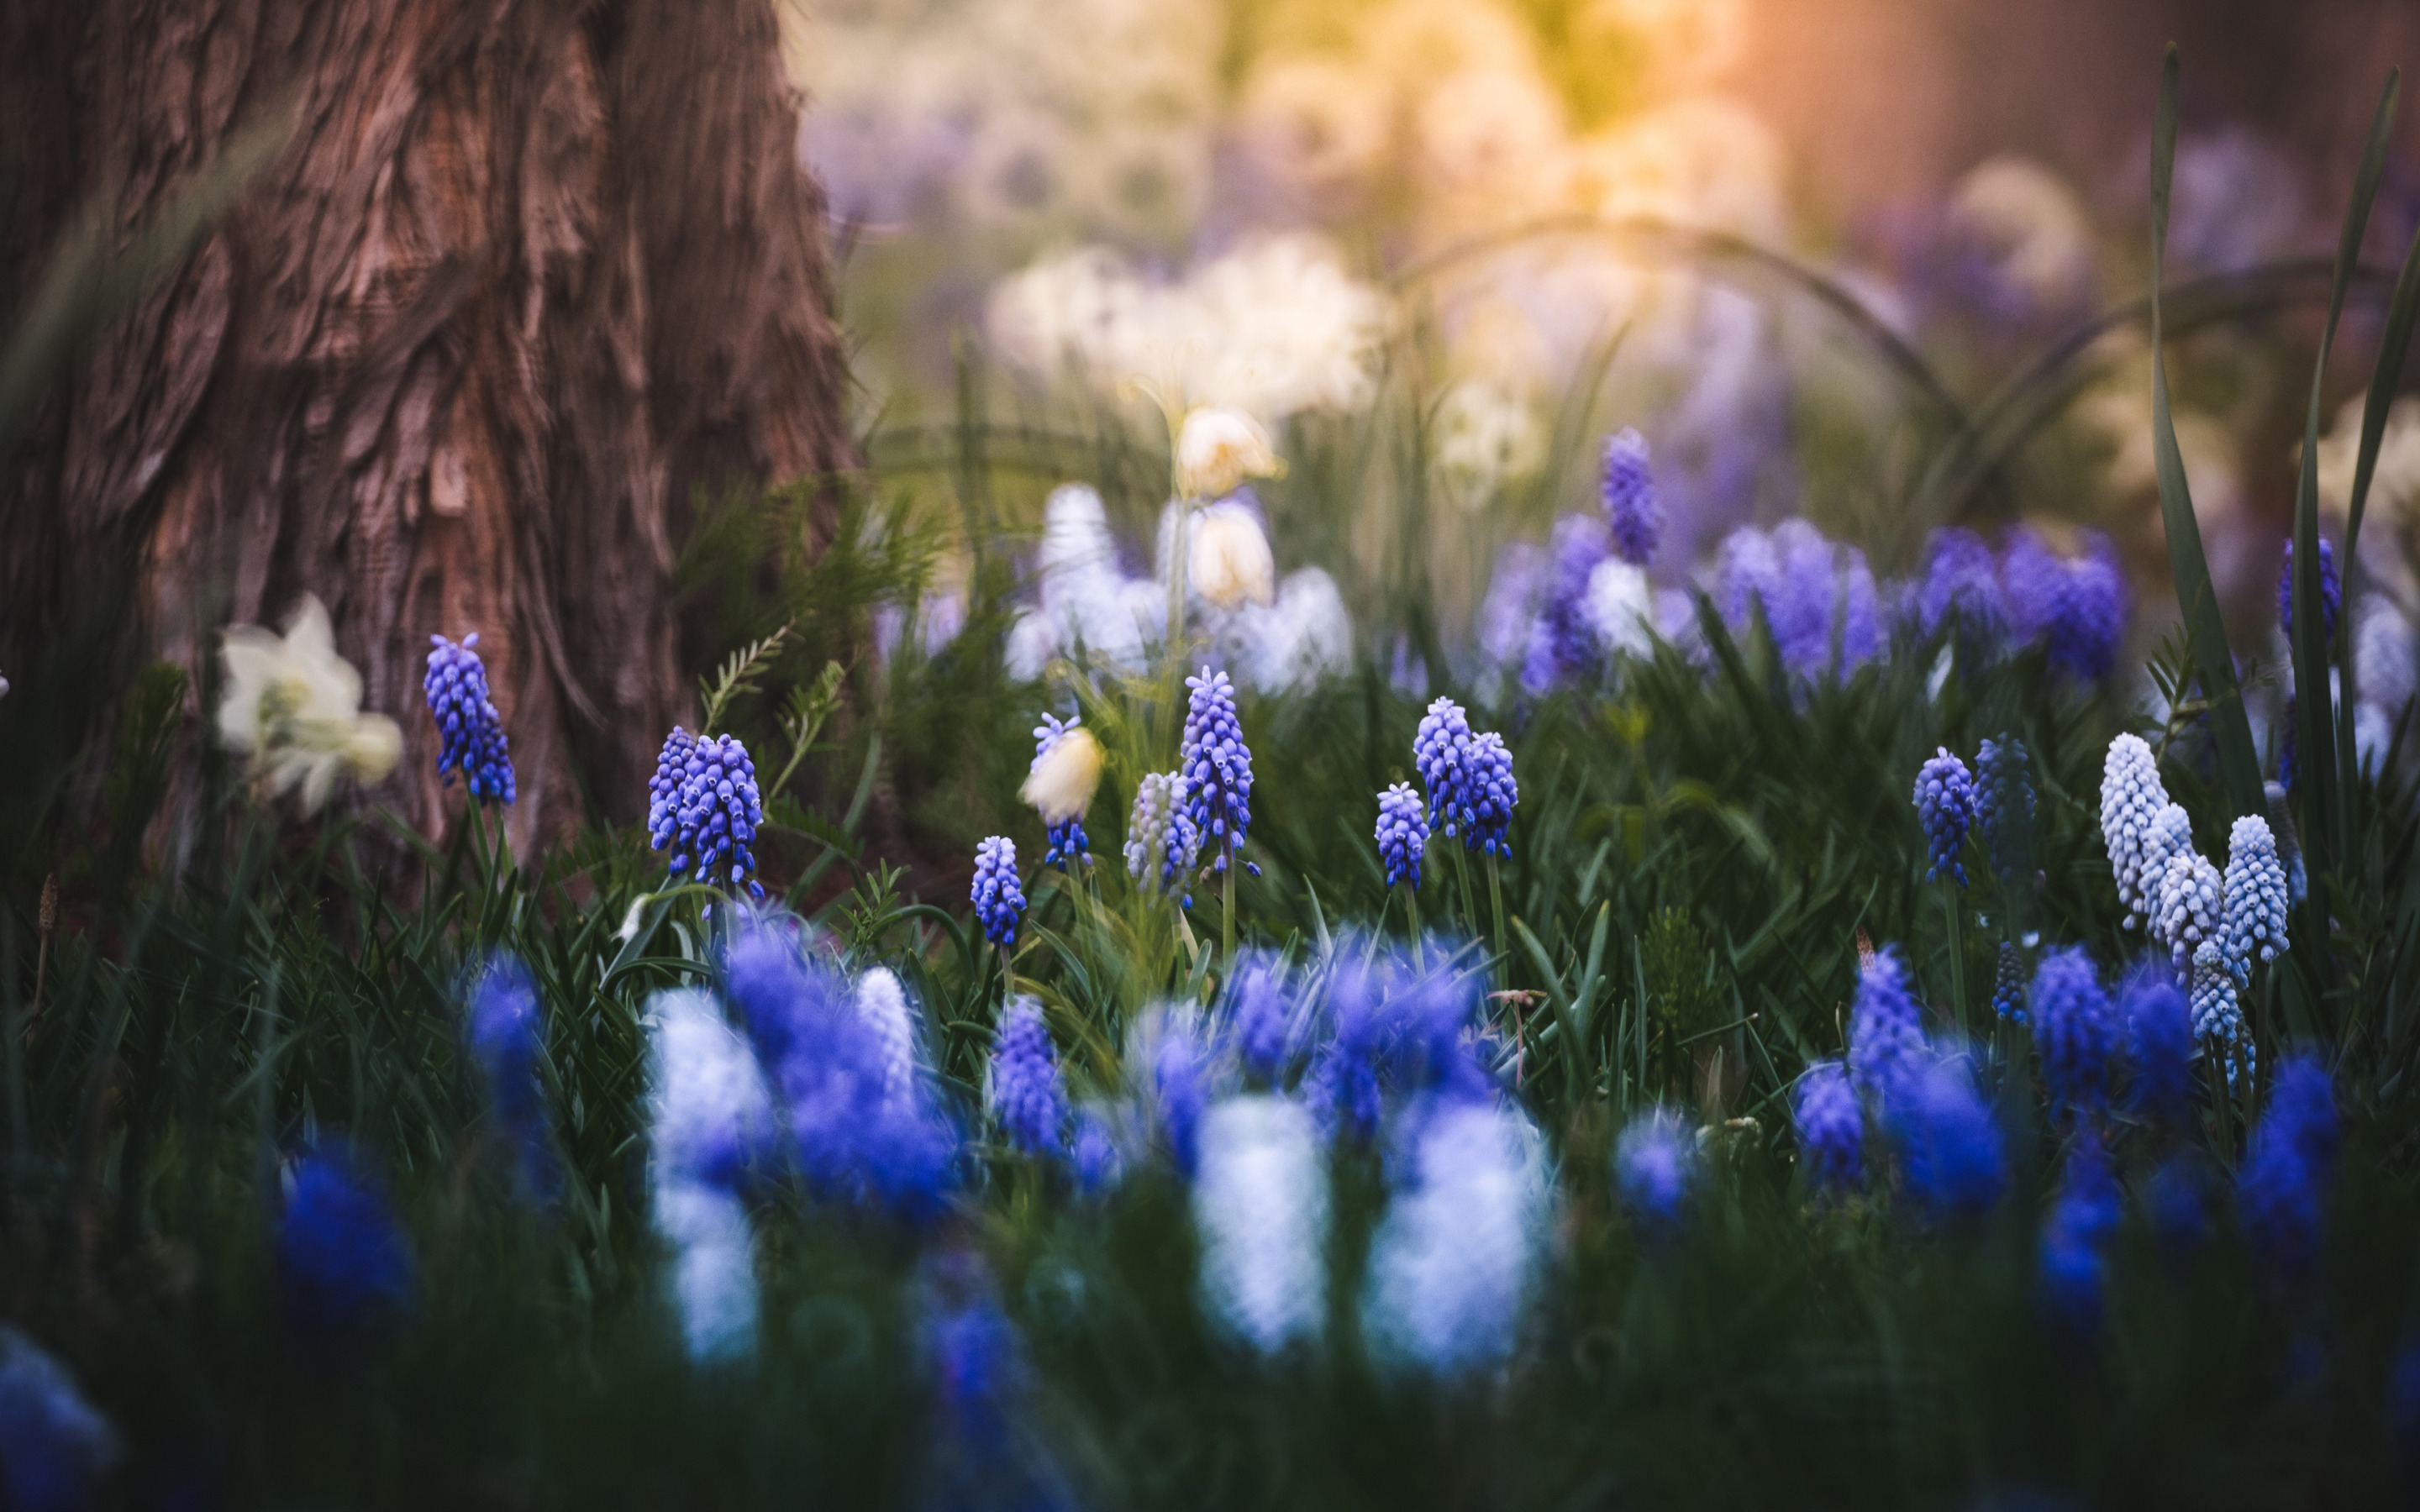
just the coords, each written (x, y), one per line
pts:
(1228, 560)
(1063, 779)
(1218, 448)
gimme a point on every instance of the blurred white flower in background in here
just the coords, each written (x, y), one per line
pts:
(1305, 635)
(294, 706)
(1260, 1204)
(1452, 1264)
(1218, 447)
(2392, 509)
(1619, 607)
(2029, 226)
(1227, 558)
(1315, 123)
(1486, 436)
(1087, 607)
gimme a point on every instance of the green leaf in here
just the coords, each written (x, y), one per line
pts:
(2239, 765)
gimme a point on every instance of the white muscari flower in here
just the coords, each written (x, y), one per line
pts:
(714, 1269)
(2383, 654)
(1162, 842)
(2191, 905)
(2257, 901)
(1260, 1204)
(2217, 1017)
(1218, 447)
(293, 705)
(1227, 558)
(1063, 777)
(1452, 1264)
(709, 1108)
(2169, 837)
(1303, 637)
(883, 1006)
(1620, 607)
(2131, 796)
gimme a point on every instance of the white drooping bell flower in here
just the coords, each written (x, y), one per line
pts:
(294, 706)
(1064, 776)
(1218, 448)
(1228, 561)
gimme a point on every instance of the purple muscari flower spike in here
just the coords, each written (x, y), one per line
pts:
(1026, 1093)
(1093, 1153)
(1944, 805)
(1403, 834)
(2008, 986)
(1261, 1026)
(2287, 1169)
(2074, 1029)
(1067, 840)
(2076, 608)
(1747, 573)
(1343, 1083)
(1440, 753)
(1563, 645)
(712, 812)
(1000, 903)
(1831, 1128)
(342, 1260)
(1177, 1086)
(507, 1034)
(2331, 589)
(2003, 802)
(1960, 583)
(1801, 607)
(1217, 769)
(474, 745)
(1887, 1046)
(2159, 1036)
(1626, 488)
(1493, 793)
(54, 1446)
(1651, 1170)
(2073, 1270)
(1950, 1147)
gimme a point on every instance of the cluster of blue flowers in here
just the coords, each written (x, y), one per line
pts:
(1650, 1173)
(1217, 769)
(1403, 834)
(1626, 490)
(343, 1262)
(2287, 1169)
(1817, 597)
(1027, 1096)
(1471, 790)
(1944, 805)
(1831, 1128)
(508, 1039)
(1000, 902)
(472, 732)
(2075, 1030)
(2076, 607)
(703, 805)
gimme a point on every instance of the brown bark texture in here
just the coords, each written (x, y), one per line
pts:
(524, 276)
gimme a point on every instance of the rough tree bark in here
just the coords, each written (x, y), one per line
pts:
(526, 273)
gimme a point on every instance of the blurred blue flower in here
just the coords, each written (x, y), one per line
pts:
(1452, 1264)
(1950, 1151)
(2075, 1030)
(1163, 845)
(1403, 834)
(1944, 805)
(978, 1366)
(2159, 1036)
(1831, 1128)
(711, 812)
(1092, 1155)
(2004, 804)
(2331, 590)
(507, 1037)
(2257, 901)
(1343, 1081)
(1563, 645)
(2285, 1171)
(473, 740)
(343, 1261)
(1961, 589)
(1026, 1094)
(1626, 489)
(1263, 1020)
(55, 1445)
(1886, 1045)
(1178, 1093)
(2179, 1209)
(1217, 769)
(1651, 1170)
(2076, 607)
(2072, 1272)
(2008, 985)
(1000, 902)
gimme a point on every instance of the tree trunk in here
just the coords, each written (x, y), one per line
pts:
(525, 275)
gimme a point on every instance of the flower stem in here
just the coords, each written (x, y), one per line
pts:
(1957, 955)
(1412, 903)
(1495, 897)
(1227, 907)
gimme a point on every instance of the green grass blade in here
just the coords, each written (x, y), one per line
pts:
(2239, 764)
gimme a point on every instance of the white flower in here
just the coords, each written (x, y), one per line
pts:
(1226, 559)
(714, 1269)
(1303, 637)
(1488, 435)
(1315, 123)
(1620, 607)
(2031, 223)
(1259, 1203)
(1218, 448)
(882, 1004)
(294, 706)
(1454, 1262)
(708, 1106)
(2393, 485)
(1063, 779)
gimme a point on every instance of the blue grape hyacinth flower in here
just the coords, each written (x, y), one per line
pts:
(1950, 1149)
(1564, 645)
(2285, 1171)
(1068, 842)
(2071, 1275)
(1831, 1128)
(2004, 805)
(1179, 1094)
(1493, 796)
(1217, 769)
(343, 1262)
(1652, 1163)
(2074, 1029)
(2008, 986)
(1261, 1022)
(2331, 590)
(1163, 845)
(2076, 607)
(1027, 1096)
(1471, 788)
(1886, 1045)
(1403, 834)
(473, 740)
(507, 1036)
(2159, 1036)
(1626, 489)
(703, 805)
(1961, 589)
(1944, 805)
(1000, 902)
(2257, 901)
(55, 1447)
